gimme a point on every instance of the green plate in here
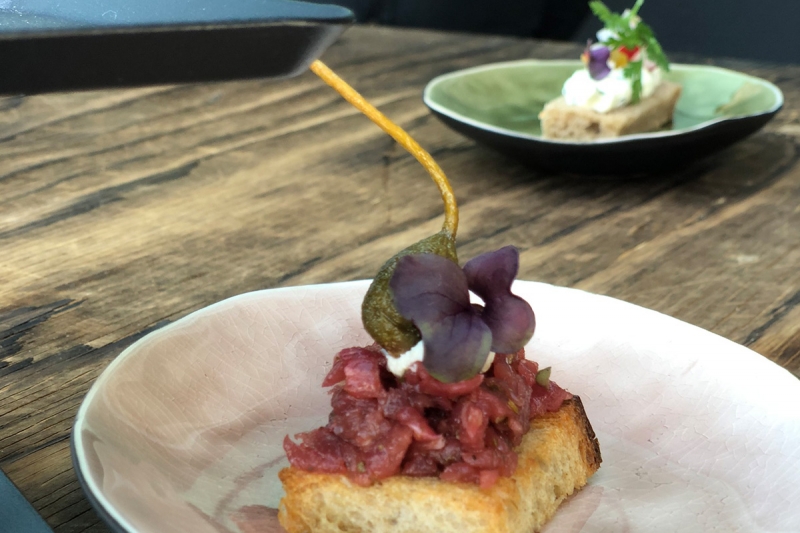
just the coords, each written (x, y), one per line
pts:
(499, 104)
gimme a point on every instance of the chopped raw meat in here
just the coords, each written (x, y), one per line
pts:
(417, 426)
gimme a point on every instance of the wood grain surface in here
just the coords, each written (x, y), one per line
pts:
(121, 211)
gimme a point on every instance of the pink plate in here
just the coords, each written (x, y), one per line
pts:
(183, 431)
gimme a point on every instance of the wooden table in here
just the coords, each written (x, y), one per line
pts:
(125, 210)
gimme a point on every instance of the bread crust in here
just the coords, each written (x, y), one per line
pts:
(562, 121)
(556, 457)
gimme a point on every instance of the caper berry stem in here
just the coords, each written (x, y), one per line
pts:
(403, 139)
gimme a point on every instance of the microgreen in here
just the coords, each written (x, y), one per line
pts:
(433, 293)
(633, 71)
(636, 7)
(631, 33)
(510, 318)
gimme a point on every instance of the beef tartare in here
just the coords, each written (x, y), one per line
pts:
(382, 425)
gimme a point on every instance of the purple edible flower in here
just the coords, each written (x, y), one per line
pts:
(598, 61)
(433, 293)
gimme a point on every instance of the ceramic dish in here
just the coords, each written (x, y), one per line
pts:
(499, 105)
(183, 431)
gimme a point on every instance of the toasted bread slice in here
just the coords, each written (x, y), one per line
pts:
(574, 123)
(557, 456)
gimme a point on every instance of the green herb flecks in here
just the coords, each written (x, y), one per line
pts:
(543, 377)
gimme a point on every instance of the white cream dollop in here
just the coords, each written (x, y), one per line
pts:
(613, 91)
(399, 365)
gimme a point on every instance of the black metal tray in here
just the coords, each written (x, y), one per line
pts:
(48, 45)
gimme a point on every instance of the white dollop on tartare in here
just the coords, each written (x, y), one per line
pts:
(399, 365)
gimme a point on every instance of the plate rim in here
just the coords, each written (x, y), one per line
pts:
(454, 115)
(119, 524)
(97, 499)
(103, 510)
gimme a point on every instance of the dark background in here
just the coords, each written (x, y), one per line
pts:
(766, 30)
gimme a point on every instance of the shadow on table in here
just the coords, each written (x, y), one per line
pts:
(735, 172)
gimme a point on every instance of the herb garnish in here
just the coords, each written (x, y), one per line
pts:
(626, 36)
